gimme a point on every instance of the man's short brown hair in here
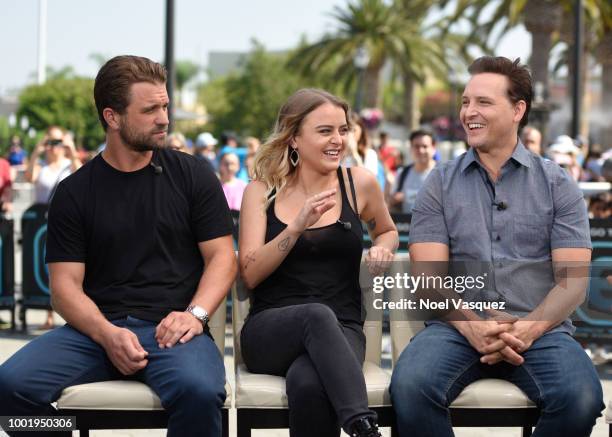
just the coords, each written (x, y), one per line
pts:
(113, 82)
(519, 79)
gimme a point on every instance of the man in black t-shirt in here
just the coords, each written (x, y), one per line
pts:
(128, 237)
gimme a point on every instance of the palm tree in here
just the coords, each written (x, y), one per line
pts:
(549, 22)
(603, 48)
(603, 54)
(542, 18)
(390, 32)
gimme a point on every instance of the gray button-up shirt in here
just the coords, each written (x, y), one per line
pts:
(511, 224)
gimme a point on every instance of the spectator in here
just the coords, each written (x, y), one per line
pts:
(606, 170)
(591, 168)
(176, 141)
(6, 183)
(232, 186)
(61, 161)
(367, 155)
(352, 158)
(205, 148)
(411, 177)
(532, 139)
(600, 206)
(564, 152)
(388, 153)
(230, 145)
(17, 156)
(252, 147)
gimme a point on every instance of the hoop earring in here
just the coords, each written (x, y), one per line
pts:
(294, 157)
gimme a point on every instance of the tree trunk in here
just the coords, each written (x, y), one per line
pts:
(411, 115)
(371, 84)
(542, 18)
(604, 55)
(588, 38)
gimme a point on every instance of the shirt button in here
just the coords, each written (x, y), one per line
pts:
(498, 238)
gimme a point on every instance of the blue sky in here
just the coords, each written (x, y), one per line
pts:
(77, 28)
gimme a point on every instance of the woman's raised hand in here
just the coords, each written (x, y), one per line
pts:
(313, 209)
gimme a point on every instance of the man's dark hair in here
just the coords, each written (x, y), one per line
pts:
(520, 86)
(113, 82)
(422, 133)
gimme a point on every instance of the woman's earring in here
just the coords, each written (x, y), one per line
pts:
(294, 157)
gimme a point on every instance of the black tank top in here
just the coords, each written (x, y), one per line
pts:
(322, 266)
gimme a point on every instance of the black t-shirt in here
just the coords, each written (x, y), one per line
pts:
(138, 232)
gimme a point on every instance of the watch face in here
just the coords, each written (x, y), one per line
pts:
(199, 312)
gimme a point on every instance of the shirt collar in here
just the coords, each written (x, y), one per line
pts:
(520, 155)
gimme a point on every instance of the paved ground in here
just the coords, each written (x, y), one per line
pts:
(11, 342)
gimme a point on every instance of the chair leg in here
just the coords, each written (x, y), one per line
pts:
(527, 431)
(225, 422)
(610, 430)
(243, 427)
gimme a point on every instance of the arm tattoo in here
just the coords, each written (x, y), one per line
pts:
(283, 246)
(250, 258)
(372, 224)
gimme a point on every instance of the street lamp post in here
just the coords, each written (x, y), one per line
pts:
(453, 81)
(170, 60)
(361, 61)
(578, 55)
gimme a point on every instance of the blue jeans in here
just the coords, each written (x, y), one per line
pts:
(439, 363)
(188, 378)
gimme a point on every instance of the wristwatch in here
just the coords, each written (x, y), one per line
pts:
(199, 313)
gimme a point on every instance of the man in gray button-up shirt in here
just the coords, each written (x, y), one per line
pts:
(502, 205)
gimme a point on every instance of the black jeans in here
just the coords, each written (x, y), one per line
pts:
(321, 360)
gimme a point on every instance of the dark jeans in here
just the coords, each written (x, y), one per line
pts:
(321, 360)
(188, 378)
(439, 363)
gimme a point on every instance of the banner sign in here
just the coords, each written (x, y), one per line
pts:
(35, 273)
(7, 263)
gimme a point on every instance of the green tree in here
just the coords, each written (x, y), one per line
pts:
(64, 102)
(185, 71)
(248, 101)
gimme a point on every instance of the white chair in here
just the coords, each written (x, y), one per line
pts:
(130, 404)
(484, 403)
(608, 417)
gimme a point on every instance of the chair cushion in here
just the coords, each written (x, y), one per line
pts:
(492, 393)
(609, 413)
(116, 395)
(268, 391)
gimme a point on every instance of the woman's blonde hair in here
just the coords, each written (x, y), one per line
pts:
(272, 166)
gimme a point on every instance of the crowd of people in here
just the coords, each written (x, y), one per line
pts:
(399, 169)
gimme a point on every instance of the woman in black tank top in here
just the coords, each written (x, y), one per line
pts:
(300, 253)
